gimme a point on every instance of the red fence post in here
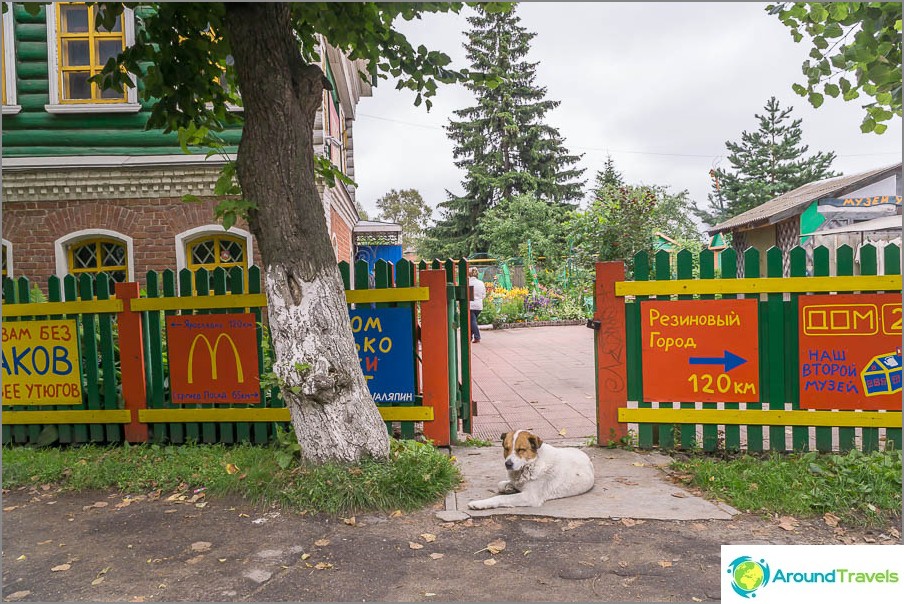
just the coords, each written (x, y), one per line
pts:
(611, 355)
(435, 355)
(131, 361)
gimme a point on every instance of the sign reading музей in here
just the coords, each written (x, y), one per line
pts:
(41, 363)
(850, 352)
(700, 351)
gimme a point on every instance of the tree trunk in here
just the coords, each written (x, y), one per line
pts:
(332, 411)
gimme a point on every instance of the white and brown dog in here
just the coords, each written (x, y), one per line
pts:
(538, 472)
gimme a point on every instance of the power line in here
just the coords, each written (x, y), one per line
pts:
(714, 155)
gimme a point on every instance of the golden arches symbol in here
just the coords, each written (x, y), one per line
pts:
(212, 349)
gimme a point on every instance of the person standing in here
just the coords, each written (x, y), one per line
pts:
(478, 293)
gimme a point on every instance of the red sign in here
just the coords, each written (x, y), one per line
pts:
(700, 351)
(850, 352)
(213, 359)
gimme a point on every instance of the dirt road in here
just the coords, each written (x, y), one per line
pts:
(105, 546)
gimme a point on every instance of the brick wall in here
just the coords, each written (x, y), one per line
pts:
(32, 228)
(343, 234)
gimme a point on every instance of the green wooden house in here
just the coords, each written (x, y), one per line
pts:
(86, 189)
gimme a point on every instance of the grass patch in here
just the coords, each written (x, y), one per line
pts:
(416, 474)
(860, 488)
(475, 442)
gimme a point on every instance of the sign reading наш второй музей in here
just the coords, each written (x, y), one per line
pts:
(700, 350)
(850, 352)
(41, 364)
(213, 359)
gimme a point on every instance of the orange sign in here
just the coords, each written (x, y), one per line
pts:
(700, 351)
(850, 352)
(213, 359)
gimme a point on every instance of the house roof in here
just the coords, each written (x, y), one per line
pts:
(795, 202)
(375, 226)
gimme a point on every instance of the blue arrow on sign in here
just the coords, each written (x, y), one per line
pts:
(729, 361)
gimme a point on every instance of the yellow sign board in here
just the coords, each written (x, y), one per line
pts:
(41, 364)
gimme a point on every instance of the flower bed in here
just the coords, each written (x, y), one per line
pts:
(520, 307)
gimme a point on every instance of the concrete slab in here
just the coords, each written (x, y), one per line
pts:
(628, 485)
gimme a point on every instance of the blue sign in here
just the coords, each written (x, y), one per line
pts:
(384, 338)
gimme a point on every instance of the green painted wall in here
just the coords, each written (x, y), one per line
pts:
(34, 132)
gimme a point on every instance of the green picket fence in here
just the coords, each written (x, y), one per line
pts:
(778, 351)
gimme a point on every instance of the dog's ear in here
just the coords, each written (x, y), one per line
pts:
(535, 442)
(503, 435)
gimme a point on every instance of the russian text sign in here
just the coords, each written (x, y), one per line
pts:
(384, 338)
(41, 364)
(213, 359)
(850, 352)
(700, 351)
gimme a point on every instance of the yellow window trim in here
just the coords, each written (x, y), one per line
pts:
(97, 242)
(92, 35)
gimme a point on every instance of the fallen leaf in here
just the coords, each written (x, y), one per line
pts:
(631, 522)
(22, 557)
(563, 432)
(437, 556)
(123, 504)
(428, 537)
(427, 594)
(573, 524)
(197, 497)
(164, 511)
(696, 599)
(623, 564)
(231, 468)
(323, 565)
(495, 547)
(894, 532)
(45, 542)
(639, 464)
(305, 556)
(871, 507)
(830, 519)
(200, 546)
(241, 515)
(60, 568)
(10, 508)
(350, 521)
(665, 563)
(413, 545)
(322, 542)
(101, 504)
(396, 514)
(97, 581)
(788, 523)
(679, 494)
(489, 562)
(17, 595)
(869, 539)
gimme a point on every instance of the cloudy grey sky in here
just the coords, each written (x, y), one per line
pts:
(659, 86)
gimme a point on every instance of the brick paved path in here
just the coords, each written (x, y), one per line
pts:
(538, 378)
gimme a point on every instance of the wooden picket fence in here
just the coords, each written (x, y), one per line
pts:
(776, 422)
(125, 373)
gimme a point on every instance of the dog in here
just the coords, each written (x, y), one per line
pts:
(537, 473)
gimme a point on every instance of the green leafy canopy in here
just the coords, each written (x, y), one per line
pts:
(856, 40)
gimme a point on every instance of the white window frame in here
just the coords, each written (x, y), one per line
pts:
(9, 58)
(8, 250)
(53, 72)
(186, 237)
(61, 251)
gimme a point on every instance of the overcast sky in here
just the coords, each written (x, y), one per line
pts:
(659, 86)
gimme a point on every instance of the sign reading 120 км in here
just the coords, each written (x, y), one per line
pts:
(700, 350)
(850, 352)
(384, 338)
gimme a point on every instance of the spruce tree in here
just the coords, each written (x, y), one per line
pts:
(502, 142)
(766, 163)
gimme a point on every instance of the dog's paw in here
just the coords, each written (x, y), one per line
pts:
(480, 504)
(506, 488)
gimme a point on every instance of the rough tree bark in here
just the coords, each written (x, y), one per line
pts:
(333, 414)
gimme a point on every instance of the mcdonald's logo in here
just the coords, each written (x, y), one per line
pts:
(228, 340)
(212, 350)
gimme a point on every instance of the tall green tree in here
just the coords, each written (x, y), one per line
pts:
(765, 163)
(503, 142)
(857, 39)
(179, 55)
(407, 208)
(623, 219)
(508, 226)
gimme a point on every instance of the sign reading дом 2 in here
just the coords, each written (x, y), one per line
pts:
(384, 338)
